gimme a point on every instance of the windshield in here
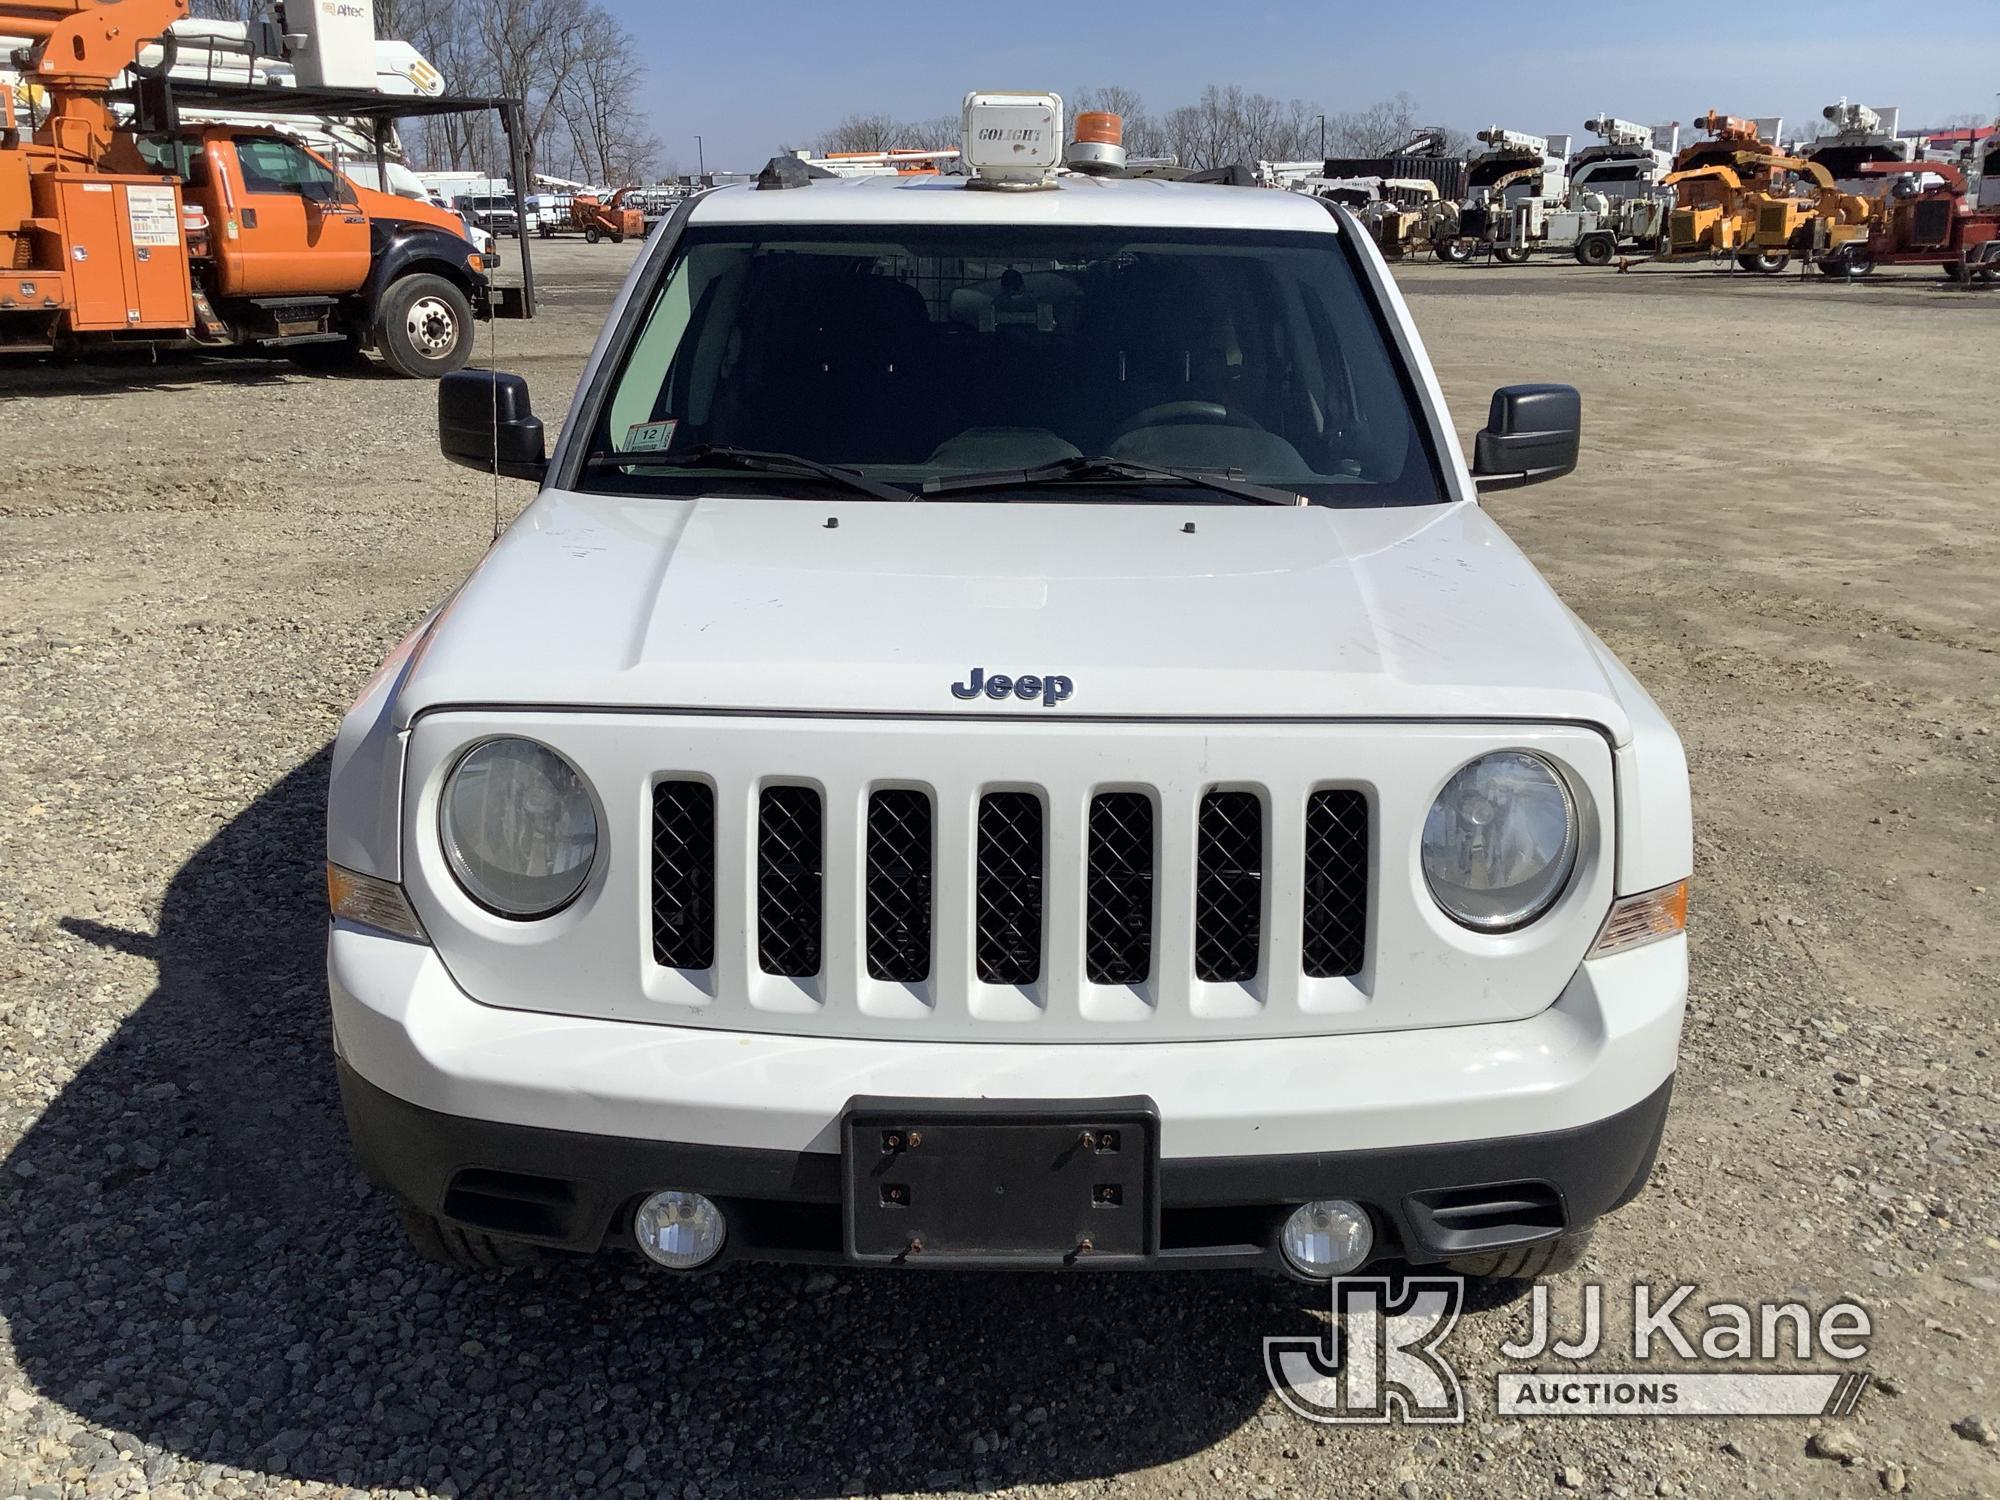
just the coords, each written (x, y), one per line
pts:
(917, 352)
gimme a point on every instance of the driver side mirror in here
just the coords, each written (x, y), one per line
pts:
(485, 422)
(1531, 435)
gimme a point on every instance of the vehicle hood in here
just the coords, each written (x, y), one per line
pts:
(390, 208)
(1150, 610)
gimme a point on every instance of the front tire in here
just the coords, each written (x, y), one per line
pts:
(1511, 255)
(1453, 252)
(1528, 1263)
(423, 327)
(447, 1244)
(592, 234)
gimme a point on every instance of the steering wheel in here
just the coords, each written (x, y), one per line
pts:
(1199, 413)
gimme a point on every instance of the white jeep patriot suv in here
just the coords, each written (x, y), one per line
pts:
(1006, 738)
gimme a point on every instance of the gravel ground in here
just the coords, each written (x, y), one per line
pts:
(1783, 522)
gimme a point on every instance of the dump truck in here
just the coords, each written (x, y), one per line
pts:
(121, 230)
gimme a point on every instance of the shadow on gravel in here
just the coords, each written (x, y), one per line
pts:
(189, 1257)
(118, 375)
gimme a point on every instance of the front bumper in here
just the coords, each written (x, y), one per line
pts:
(550, 1128)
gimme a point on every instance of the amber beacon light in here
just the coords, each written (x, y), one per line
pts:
(1098, 144)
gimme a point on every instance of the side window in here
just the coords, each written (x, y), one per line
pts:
(275, 166)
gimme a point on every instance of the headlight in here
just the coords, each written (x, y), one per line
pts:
(1500, 841)
(518, 827)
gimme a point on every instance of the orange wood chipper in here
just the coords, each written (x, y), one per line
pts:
(1717, 183)
(114, 231)
(606, 218)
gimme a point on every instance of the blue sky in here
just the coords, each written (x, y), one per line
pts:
(751, 76)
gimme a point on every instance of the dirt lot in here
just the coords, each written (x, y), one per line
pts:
(1784, 522)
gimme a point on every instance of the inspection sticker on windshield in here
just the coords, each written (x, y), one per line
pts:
(649, 437)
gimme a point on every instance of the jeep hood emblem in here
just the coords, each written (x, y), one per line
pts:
(1048, 687)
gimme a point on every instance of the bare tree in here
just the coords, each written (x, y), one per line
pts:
(1372, 130)
(608, 141)
(1225, 125)
(860, 133)
(531, 48)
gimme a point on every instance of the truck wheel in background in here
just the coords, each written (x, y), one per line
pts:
(466, 1249)
(1764, 262)
(591, 234)
(331, 357)
(1549, 1258)
(1453, 252)
(423, 326)
(1511, 255)
(1596, 249)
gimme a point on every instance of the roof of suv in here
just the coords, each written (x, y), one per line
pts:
(1135, 202)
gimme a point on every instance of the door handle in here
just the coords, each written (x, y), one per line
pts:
(249, 218)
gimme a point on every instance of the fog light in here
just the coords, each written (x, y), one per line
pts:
(1329, 1237)
(679, 1230)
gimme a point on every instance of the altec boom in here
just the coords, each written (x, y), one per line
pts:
(113, 230)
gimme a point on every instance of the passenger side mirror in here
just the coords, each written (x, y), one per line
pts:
(485, 423)
(1531, 435)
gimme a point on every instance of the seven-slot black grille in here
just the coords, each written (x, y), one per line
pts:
(1228, 887)
(1336, 884)
(1122, 851)
(1118, 890)
(684, 874)
(898, 909)
(789, 881)
(1007, 889)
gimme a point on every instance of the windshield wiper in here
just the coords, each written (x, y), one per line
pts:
(721, 456)
(1087, 467)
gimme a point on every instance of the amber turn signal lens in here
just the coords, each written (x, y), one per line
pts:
(1644, 918)
(372, 902)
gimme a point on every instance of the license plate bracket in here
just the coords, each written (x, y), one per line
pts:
(1000, 1182)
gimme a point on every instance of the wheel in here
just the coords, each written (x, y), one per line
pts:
(592, 234)
(334, 357)
(465, 1249)
(1596, 249)
(1764, 262)
(423, 326)
(1453, 252)
(546, 232)
(1511, 255)
(617, 237)
(1530, 1263)
(1846, 263)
